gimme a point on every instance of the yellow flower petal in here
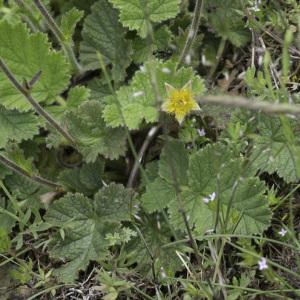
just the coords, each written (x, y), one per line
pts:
(180, 102)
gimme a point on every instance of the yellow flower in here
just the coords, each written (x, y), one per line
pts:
(180, 101)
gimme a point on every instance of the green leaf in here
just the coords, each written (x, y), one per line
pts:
(226, 18)
(102, 32)
(87, 126)
(86, 224)
(69, 22)
(257, 84)
(4, 171)
(16, 154)
(114, 203)
(166, 261)
(26, 190)
(173, 166)
(174, 162)
(161, 41)
(138, 99)
(86, 179)
(5, 242)
(197, 212)
(17, 126)
(76, 96)
(7, 222)
(27, 54)
(273, 153)
(158, 195)
(132, 13)
(215, 170)
(204, 165)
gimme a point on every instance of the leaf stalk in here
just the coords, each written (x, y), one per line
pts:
(17, 169)
(59, 36)
(38, 108)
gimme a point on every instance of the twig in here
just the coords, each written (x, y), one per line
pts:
(59, 35)
(251, 104)
(151, 134)
(14, 167)
(34, 103)
(192, 32)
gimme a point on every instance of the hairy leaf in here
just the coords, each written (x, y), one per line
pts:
(158, 195)
(173, 163)
(87, 126)
(166, 261)
(226, 19)
(86, 223)
(27, 54)
(85, 179)
(69, 22)
(6, 221)
(273, 153)
(17, 126)
(102, 32)
(133, 12)
(161, 41)
(76, 96)
(212, 172)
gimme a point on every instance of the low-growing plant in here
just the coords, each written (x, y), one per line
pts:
(149, 149)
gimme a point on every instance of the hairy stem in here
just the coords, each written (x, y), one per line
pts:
(17, 169)
(250, 104)
(134, 172)
(59, 35)
(192, 32)
(34, 103)
(29, 17)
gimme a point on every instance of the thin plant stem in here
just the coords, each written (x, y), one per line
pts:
(237, 287)
(29, 17)
(217, 260)
(148, 251)
(15, 204)
(48, 290)
(59, 35)
(192, 32)
(17, 169)
(12, 258)
(269, 261)
(241, 236)
(6, 212)
(38, 108)
(250, 104)
(217, 218)
(286, 197)
(218, 57)
(183, 214)
(134, 172)
(261, 27)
